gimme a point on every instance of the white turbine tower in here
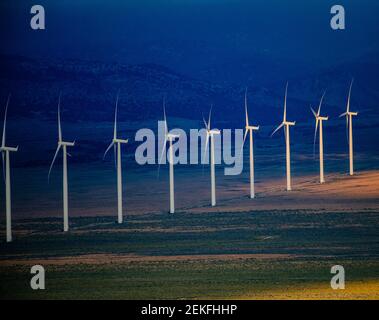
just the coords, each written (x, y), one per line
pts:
(286, 124)
(210, 134)
(319, 120)
(250, 129)
(62, 144)
(170, 137)
(6, 171)
(349, 125)
(116, 143)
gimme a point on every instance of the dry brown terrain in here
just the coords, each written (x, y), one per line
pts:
(100, 259)
(340, 192)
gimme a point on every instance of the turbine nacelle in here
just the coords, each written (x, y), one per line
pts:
(348, 113)
(172, 136)
(288, 123)
(116, 140)
(10, 149)
(317, 115)
(284, 123)
(252, 128)
(67, 144)
(213, 132)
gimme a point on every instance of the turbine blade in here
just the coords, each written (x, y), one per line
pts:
(165, 118)
(161, 158)
(52, 162)
(342, 115)
(165, 136)
(205, 148)
(244, 137)
(163, 151)
(285, 104)
(281, 125)
(109, 148)
(246, 113)
(115, 117)
(59, 119)
(205, 123)
(319, 106)
(5, 121)
(209, 118)
(314, 112)
(348, 99)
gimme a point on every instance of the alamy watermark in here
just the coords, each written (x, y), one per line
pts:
(338, 280)
(191, 149)
(37, 22)
(338, 20)
(37, 282)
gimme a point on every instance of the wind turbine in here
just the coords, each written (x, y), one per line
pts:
(349, 125)
(210, 134)
(286, 124)
(250, 129)
(116, 144)
(170, 137)
(319, 120)
(62, 144)
(5, 155)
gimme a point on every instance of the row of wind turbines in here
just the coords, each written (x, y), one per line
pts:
(170, 138)
(287, 124)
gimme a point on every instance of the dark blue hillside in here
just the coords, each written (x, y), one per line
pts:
(89, 89)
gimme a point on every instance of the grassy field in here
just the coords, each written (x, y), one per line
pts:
(246, 255)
